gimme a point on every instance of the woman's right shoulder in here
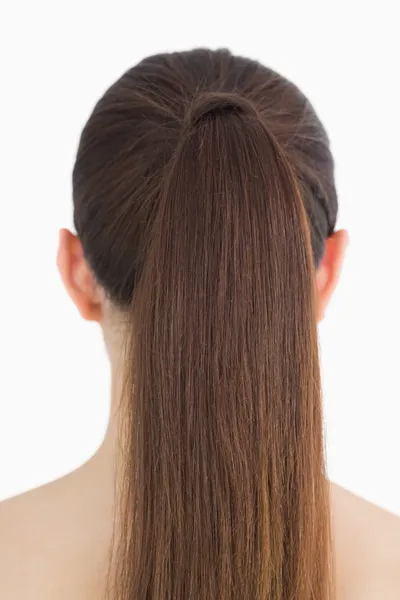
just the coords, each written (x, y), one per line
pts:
(367, 548)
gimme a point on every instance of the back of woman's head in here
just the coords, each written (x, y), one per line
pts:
(204, 193)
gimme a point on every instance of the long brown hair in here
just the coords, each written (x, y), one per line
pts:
(204, 192)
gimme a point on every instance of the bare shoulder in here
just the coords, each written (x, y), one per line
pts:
(50, 545)
(367, 540)
(29, 540)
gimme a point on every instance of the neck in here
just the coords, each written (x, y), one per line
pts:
(100, 471)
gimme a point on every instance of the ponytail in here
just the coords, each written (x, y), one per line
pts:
(224, 493)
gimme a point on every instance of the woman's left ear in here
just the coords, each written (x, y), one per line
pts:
(78, 278)
(329, 270)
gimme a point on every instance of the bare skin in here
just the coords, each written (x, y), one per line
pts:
(367, 548)
(54, 540)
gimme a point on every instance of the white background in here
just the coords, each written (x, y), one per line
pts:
(57, 58)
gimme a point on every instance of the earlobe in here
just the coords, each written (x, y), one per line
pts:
(77, 277)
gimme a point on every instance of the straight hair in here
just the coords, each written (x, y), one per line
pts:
(203, 191)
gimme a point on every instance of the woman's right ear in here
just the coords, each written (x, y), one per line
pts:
(77, 277)
(329, 270)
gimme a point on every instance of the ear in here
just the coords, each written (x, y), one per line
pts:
(77, 277)
(328, 272)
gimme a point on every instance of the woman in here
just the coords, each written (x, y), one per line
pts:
(205, 210)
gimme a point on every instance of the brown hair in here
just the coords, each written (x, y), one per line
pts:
(204, 192)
